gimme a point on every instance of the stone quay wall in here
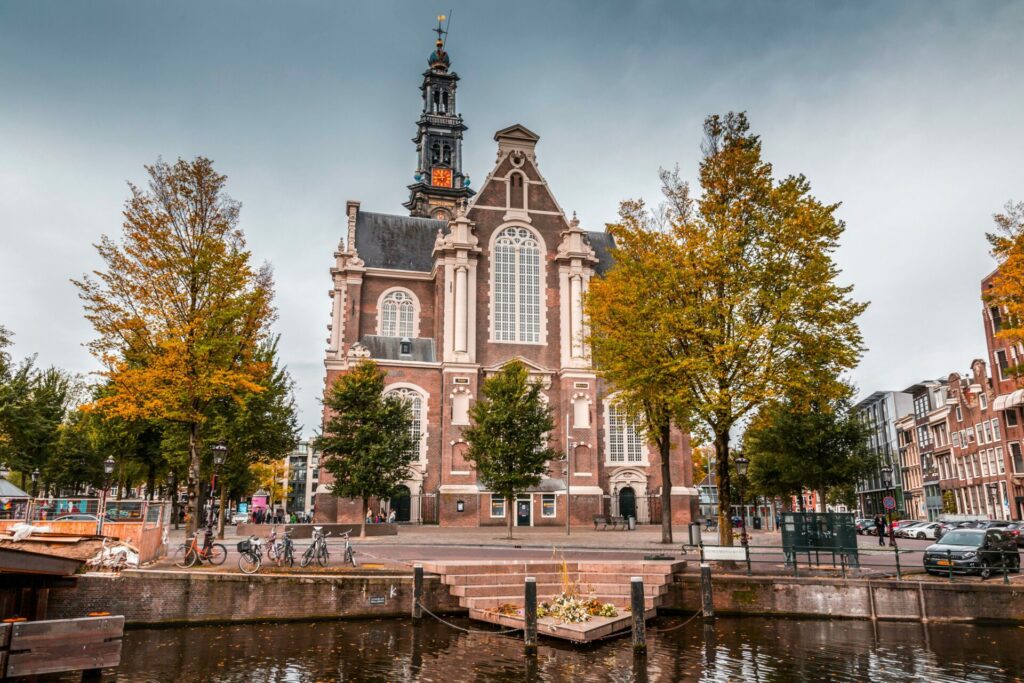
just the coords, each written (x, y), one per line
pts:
(179, 597)
(888, 599)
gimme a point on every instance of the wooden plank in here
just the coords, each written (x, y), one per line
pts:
(66, 657)
(30, 635)
(725, 553)
(5, 637)
(3, 662)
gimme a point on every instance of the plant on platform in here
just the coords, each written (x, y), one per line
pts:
(573, 609)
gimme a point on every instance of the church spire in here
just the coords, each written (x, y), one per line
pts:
(440, 180)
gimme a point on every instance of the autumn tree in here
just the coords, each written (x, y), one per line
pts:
(367, 443)
(729, 301)
(179, 309)
(508, 435)
(1007, 290)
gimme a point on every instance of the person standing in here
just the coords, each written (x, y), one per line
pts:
(880, 529)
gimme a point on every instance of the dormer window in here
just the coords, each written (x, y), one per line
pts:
(406, 347)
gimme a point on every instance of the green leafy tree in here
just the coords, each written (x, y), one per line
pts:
(508, 434)
(367, 445)
(822, 447)
(730, 300)
(1007, 287)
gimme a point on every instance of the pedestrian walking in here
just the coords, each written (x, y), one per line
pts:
(880, 529)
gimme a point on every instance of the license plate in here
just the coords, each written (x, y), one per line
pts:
(943, 563)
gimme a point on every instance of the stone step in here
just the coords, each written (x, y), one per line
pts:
(635, 567)
(504, 579)
(626, 578)
(546, 591)
(491, 602)
(496, 567)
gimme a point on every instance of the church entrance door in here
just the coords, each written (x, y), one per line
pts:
(401, 503)
(627, 502)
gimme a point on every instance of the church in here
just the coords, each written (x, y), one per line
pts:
(466, 281)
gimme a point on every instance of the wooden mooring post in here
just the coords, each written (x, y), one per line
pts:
(707, 599)
(636, 599)
(417, 591)
(530, 614)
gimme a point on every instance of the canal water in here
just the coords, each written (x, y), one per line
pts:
(750, 649)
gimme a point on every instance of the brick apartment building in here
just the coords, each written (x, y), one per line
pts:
(468, 281)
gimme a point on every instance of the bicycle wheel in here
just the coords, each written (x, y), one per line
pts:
(289, 557)
(322, 558)
(185, 557)
(218, 553)
(307, 557)
(350, 556)
(249, 563)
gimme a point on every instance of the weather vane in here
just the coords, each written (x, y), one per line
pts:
(442, 30)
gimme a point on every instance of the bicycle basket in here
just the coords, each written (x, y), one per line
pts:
(244, 546)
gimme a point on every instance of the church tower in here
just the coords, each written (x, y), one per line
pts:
(440, 182)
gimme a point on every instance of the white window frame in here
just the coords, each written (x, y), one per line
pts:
(515, 325)
(399, 298)
(1013, 462)
(498, 500)
(983, 401)
(631, 432)
(995, 429)
(405, 389)
(554, 505)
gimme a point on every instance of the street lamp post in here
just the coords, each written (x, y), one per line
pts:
(220, 451)
(172, 487)
(35, 482)
(887, 484)
(741, 469)
(108, 469)
(992, 490)
(568, 473)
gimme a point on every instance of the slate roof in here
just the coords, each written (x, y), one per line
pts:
(9, 490)
(397, 242)
(389, 348)
(602, 244)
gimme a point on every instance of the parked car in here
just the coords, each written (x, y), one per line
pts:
(239, 518)
(865, 526)
(972, 551)
(906, 530)
(926, 530)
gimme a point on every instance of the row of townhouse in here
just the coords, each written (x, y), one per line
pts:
(955, 445)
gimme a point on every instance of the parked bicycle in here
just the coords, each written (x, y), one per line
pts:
(317, 550)
(189, 553)
(350, 553)
(281, 551)
(250, 557)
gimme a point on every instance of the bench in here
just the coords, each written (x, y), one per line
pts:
(41, 647)
(614, 522)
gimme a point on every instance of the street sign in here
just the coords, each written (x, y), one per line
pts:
(889, 502)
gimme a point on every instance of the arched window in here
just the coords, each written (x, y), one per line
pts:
(625, 442)
(516, 286)
(444, 102)
(435, 153)
(446, 155)
(397, 315)
(415, 402)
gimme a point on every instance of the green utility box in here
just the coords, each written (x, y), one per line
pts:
(820, 535)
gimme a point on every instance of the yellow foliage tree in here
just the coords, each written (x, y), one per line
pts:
(1007, 290)
(718, 304)
(179, 310)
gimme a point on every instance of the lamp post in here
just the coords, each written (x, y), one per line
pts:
(568, 473)
(993, 489)
(220, 451)
(741, 469)
(35, 482)
(887, 485)
(108, 469)
(172, 488)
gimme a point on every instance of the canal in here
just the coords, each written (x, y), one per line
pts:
(748, 649)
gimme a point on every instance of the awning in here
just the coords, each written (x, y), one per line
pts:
(1011, 400)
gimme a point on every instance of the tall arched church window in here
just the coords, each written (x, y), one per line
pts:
(625, 442)
(397, 315)
(415, 402)
(516, 286)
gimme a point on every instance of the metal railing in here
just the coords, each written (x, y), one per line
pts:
(862, 562)
(35, 510)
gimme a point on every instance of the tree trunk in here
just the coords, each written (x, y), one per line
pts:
(510, 510)
(194, 497)
(821, 500)
(220, 514)
(724, 488)
(366, 510)
(665, 447)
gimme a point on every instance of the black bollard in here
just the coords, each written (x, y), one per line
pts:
(417, 591)
(636, 596)
(707, 599)
(530, 614)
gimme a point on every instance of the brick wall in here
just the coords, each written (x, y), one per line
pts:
(163, 597)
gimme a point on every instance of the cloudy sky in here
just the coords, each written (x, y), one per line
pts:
(909, 113)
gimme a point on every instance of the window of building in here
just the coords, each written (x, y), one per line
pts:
(984, 465)
(1011, 417)
(959, 414)
(988, 431)
(921, 406)
(415, 402)
(1017, 458)
(983, 401)
(1000, 465)
(517, 286)
(547, 505)
(397, 315)
(956, 438)
(923, 437)
(997, 319)
(497, 507)
(980, 432)
(625, 443)
(1003, 363)
(995, 429)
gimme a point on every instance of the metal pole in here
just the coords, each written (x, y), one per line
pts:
(568, 472)
(99, 513)
(417, 590)
(707, 598)
(637, 605)
(530, 614)
(899, 574)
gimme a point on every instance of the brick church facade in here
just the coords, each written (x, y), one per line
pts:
(467, 281)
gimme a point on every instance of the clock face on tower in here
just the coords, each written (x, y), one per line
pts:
(441, 177)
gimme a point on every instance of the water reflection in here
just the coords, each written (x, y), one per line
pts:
(730, 650)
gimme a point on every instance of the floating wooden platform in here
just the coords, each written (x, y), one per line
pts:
(483, 587)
